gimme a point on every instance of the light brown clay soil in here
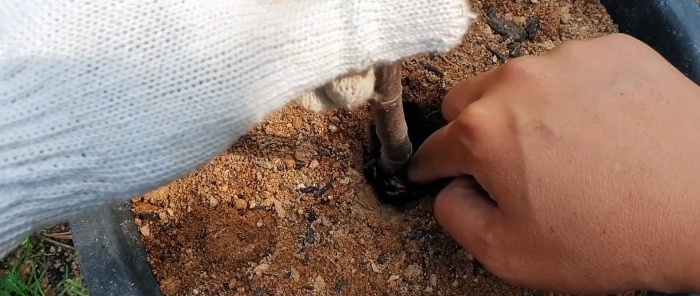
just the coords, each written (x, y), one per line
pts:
(287, 210)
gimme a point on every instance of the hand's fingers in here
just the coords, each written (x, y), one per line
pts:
(465, 93)
(442, 155)
(463, 145)
(466, 214)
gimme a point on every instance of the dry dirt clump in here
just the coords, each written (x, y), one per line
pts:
(287, 210)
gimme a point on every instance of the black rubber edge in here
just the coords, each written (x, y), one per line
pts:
(111, 256)
(107, 241)
(671, 27)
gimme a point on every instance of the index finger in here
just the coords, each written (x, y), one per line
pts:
(442, 155)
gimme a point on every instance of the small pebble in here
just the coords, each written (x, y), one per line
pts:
(313, 164)
(549, 44)
(266, 203)
(240, 204)
(232, 283)
(145, 230)
(565, 18)
(519, 20)
(213, 201)
(281, 213)
(289, 164)
(195, 292)
(297, 122)
(258, 270)
(564, 15)
(295, 275)
(412, 271)
(259, 224)
(304, 153)
(319, 284)
(394, 277)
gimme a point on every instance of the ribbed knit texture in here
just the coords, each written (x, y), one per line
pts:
(343, 92)
(104, 100)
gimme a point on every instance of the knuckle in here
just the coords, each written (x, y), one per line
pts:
(520, 70)
(476, 128)
(570, 46)
(623, 38)
(473, 119)
(630, 44)
(449, 107)
(569, 49)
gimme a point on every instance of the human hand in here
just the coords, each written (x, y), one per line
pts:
(589, 155)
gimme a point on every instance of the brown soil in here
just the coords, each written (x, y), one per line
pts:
(287, 210)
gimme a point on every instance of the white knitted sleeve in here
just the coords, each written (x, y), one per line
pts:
(105, 100)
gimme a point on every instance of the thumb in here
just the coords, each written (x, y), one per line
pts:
(467, 214)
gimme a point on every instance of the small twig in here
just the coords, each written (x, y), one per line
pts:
(444, 59)
(324, 189)
(67, 235)
(514, 50)
(507, 29)
(430, 67)
(68, 232)
(60, 244)
(498, 55)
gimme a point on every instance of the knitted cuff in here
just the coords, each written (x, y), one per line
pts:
(391, 29)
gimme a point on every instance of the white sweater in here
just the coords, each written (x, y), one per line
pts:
(104, 100)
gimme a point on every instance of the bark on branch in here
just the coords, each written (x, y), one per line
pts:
(389, 119)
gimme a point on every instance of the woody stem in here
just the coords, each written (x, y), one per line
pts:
(389, 119)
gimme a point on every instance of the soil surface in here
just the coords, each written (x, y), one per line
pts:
(287, 209)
